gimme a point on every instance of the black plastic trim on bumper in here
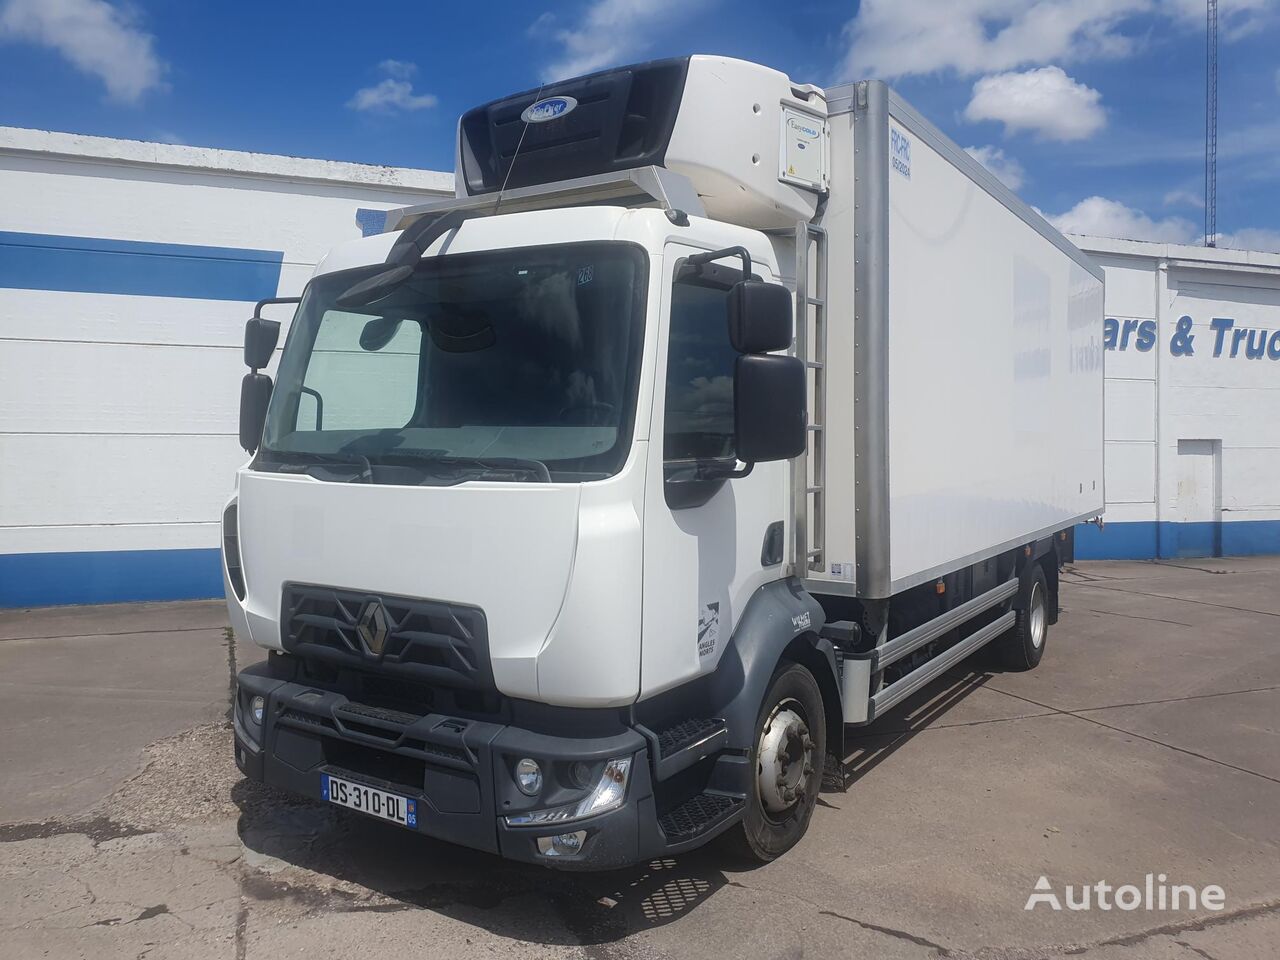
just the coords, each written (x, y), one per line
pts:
(466, 791)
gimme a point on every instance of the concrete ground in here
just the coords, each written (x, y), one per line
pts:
(1146, 743)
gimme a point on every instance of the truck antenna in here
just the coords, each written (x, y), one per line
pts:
(515, 156)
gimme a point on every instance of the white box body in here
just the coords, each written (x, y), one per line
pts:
(964, 405)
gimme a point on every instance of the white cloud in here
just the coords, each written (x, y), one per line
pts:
(894, 38)
(1045, 101)
(1236, 18)
(1006, 169)
(99, 39)
(610, 32)
(1100, 217)
(1183, 198)
(542, 25)
(1251, 238)
(398, 69)
(393, 93)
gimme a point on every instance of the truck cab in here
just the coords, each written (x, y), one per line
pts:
(508, 487)
(529, 525)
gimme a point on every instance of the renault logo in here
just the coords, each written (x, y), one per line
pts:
(372, 627)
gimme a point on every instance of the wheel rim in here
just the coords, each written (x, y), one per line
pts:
(785, 760)
(1038, 616)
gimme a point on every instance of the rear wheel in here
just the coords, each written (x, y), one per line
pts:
(787, 759)
(1023, 646)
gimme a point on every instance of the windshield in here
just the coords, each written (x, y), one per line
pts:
(516, 365)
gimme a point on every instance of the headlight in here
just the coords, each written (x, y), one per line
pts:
(257, 706)
(609, 793)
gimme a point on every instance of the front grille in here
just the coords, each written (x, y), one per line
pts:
(380, 713)
(310, 719)
(395, 693)
(428, 641)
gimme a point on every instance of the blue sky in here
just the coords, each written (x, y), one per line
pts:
(1092, 109)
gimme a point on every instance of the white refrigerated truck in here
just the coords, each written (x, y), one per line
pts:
(717, 413)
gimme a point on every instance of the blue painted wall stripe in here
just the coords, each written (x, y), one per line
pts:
(109, 576)
(1147, 540)
(120, 576)
(35, 261)
(1118, 541)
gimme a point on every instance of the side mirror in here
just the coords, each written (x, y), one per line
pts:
(261, 334)
(759, 317)
(260, 337)
(255, 394)
(769, 407)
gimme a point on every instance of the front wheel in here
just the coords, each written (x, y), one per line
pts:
(788, 756)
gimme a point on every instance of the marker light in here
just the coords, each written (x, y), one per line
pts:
(529, 777)
(257, 707)
(608, 795)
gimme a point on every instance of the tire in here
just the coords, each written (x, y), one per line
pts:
(1023, 646)
(791, 739)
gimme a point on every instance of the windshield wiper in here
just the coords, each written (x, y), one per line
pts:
(430, 463)
(485, 464)
(536, 467)
(322, 461)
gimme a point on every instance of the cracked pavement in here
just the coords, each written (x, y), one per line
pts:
(1148, 741)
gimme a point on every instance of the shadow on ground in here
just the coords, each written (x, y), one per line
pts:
(868, 747)
(407, 871)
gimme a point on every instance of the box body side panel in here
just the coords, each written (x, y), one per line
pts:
(995, 418)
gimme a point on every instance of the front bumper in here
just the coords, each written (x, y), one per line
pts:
(459, 770)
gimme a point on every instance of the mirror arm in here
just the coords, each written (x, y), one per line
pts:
(700, 258)
(416, 238)
(257, 309)
(319, 405)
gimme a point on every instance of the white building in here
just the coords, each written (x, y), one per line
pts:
(1192, 401)
(127, 271)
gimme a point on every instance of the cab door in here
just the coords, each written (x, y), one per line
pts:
(704, 528)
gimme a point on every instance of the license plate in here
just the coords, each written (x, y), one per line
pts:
(370, 800)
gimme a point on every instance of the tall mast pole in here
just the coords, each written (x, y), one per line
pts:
(1211, 126)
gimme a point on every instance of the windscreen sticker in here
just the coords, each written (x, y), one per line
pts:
(708, 629)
